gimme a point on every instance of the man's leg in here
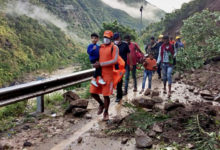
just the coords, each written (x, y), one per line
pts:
(150, 73)
(106, 105)
(119, 91)
(127, 74)
(134, 78)
(101, 104)
(164, 70)
(159, 71)
(169, 77)
(144, 80)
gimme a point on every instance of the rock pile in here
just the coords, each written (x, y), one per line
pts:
(77, 106)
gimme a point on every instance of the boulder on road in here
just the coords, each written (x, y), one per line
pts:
(147, 92)
(205, 93)
(144, 102)
(152, 133)
(155, 93)
(176, 76)
(211, 98)
(196, 91)
(70, 96)
(173, 106)
(191, 89)
(157, 128)
(80, 103)
(27, 144)
(157, 99)
(77, 112)
(142, 139)
(217, 98)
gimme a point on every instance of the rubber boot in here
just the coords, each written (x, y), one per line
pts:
(169, 94)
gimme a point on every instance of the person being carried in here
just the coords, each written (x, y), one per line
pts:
(150, 65)
(108, 57)
(93, 51)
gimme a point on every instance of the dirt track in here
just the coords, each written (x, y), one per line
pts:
(62, 134)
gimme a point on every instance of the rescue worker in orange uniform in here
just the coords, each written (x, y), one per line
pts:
(108, 57)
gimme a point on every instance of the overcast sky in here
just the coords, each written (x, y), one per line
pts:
(168, 5)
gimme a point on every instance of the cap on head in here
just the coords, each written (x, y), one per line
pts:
(108, 34)
(160, 36)
(177, 37)
(116, 35)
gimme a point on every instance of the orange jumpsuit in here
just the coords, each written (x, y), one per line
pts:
(107, 59)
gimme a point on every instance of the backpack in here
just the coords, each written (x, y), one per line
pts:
(118, 73)
(139, 55)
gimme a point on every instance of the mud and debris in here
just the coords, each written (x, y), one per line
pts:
(178, 119)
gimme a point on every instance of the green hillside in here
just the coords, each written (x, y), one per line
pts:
(32, 37)
(25, 46)
(172, 22)
(86, 16)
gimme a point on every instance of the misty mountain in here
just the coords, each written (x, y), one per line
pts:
(46, 34)
(86, 16)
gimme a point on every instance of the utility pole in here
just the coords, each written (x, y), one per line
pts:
(141, 25)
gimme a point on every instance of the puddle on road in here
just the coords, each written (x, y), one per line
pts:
(108, 143)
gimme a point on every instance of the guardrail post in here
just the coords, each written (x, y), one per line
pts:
(40, 104)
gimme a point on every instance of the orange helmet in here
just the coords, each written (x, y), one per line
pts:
(108, 34)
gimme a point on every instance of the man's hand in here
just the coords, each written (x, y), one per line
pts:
(131, 67)
(155, 67)
(94, 47)
(145, 63)
(96, 65)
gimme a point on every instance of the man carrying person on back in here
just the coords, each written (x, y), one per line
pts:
(124, 52)
(131, 66)
(108, 57)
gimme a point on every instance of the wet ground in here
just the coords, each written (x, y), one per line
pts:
(65, 132)
(99, 141)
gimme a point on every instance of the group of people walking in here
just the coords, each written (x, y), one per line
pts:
(124, 55)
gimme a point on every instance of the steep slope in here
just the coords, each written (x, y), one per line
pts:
(86, 16)
(26, 45)
(150, 12)
(39, 34)
(172, 22)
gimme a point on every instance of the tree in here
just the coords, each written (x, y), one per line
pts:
(116, 27)
(202, 36)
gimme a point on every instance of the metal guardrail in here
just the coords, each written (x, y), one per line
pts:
(33, 89)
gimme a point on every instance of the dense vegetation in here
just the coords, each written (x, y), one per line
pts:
(116, 27)
(26, 45)
(175, 19)
(202, 35)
